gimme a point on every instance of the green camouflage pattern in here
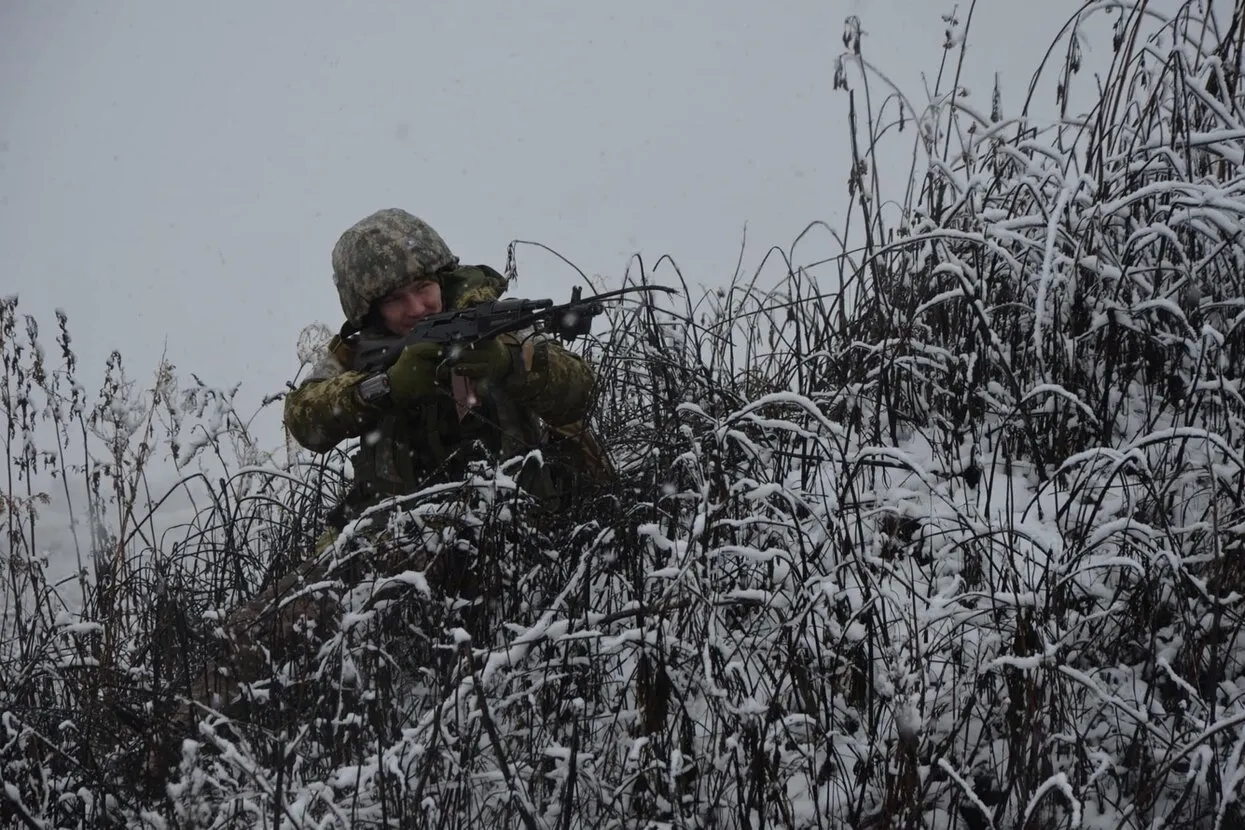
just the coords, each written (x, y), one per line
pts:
(557, 386)
(471, 285)
(407, 448)
(323, 412)
(410, 448)
(384, 252)
(321, 419)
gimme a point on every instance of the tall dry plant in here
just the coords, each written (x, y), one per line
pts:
(942, 531)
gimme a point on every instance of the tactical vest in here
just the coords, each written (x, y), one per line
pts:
(412, 448)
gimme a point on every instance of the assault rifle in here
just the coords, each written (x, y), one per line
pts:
(462, 327)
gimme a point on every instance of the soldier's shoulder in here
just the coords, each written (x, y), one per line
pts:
(322, 352)
(470, 285)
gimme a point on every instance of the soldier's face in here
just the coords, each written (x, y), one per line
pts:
(400, 310)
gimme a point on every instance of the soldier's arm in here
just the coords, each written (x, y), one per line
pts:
(324, 410)
(555, 383)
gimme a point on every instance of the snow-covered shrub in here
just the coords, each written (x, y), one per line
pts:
(954, 543)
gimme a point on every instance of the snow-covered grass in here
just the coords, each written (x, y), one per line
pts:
(953, 543)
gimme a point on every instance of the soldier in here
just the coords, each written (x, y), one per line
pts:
(391, 270)
(419, 422)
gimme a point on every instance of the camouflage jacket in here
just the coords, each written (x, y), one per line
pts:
(405, 449)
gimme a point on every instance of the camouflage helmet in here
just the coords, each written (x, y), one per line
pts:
(381, 253)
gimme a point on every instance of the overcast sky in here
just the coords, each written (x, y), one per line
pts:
(174, 175)
(177, 172)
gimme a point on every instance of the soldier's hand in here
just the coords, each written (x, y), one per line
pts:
(489, 360)
(414, 375)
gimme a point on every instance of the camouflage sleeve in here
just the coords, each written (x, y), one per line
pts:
(555, 383)
(324, 411)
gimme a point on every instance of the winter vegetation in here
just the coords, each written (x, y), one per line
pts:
(948, 536)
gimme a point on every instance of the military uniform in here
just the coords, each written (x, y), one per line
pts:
(542, 402)
(546, 399)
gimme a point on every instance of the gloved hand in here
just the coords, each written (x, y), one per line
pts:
(488, 360)
(414, 375)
